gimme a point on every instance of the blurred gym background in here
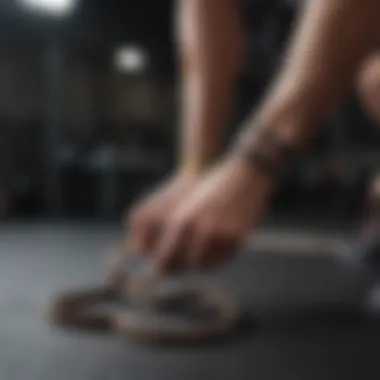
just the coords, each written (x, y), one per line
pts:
(88, 122)
(89, 109)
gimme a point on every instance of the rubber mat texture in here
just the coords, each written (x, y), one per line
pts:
(38, 260)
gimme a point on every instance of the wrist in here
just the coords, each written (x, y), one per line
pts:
(266, 151)
(195, 166)
(253, 177)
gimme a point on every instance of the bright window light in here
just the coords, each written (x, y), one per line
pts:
(51, 7)
(131, 59)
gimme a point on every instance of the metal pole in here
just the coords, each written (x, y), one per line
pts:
(53, 127)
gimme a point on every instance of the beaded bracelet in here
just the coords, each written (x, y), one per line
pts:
(269, 153)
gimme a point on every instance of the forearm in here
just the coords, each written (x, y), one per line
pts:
(330, 41)
(210, 47)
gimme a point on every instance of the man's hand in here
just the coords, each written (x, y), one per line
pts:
(147, 218)
(209, 225)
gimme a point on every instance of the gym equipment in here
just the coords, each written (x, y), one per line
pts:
(136, 303)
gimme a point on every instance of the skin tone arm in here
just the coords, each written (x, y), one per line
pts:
(209, 36)
(330, 42)
(210, 43)
(368, 86)
(332, 39)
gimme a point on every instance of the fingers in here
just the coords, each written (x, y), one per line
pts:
(170, 253)
(205, 247)
(212, 248)
(144, 232)
(201, 240)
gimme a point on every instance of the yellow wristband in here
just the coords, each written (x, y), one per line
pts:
(193, 164)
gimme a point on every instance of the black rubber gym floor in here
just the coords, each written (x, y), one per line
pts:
(299, 333)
